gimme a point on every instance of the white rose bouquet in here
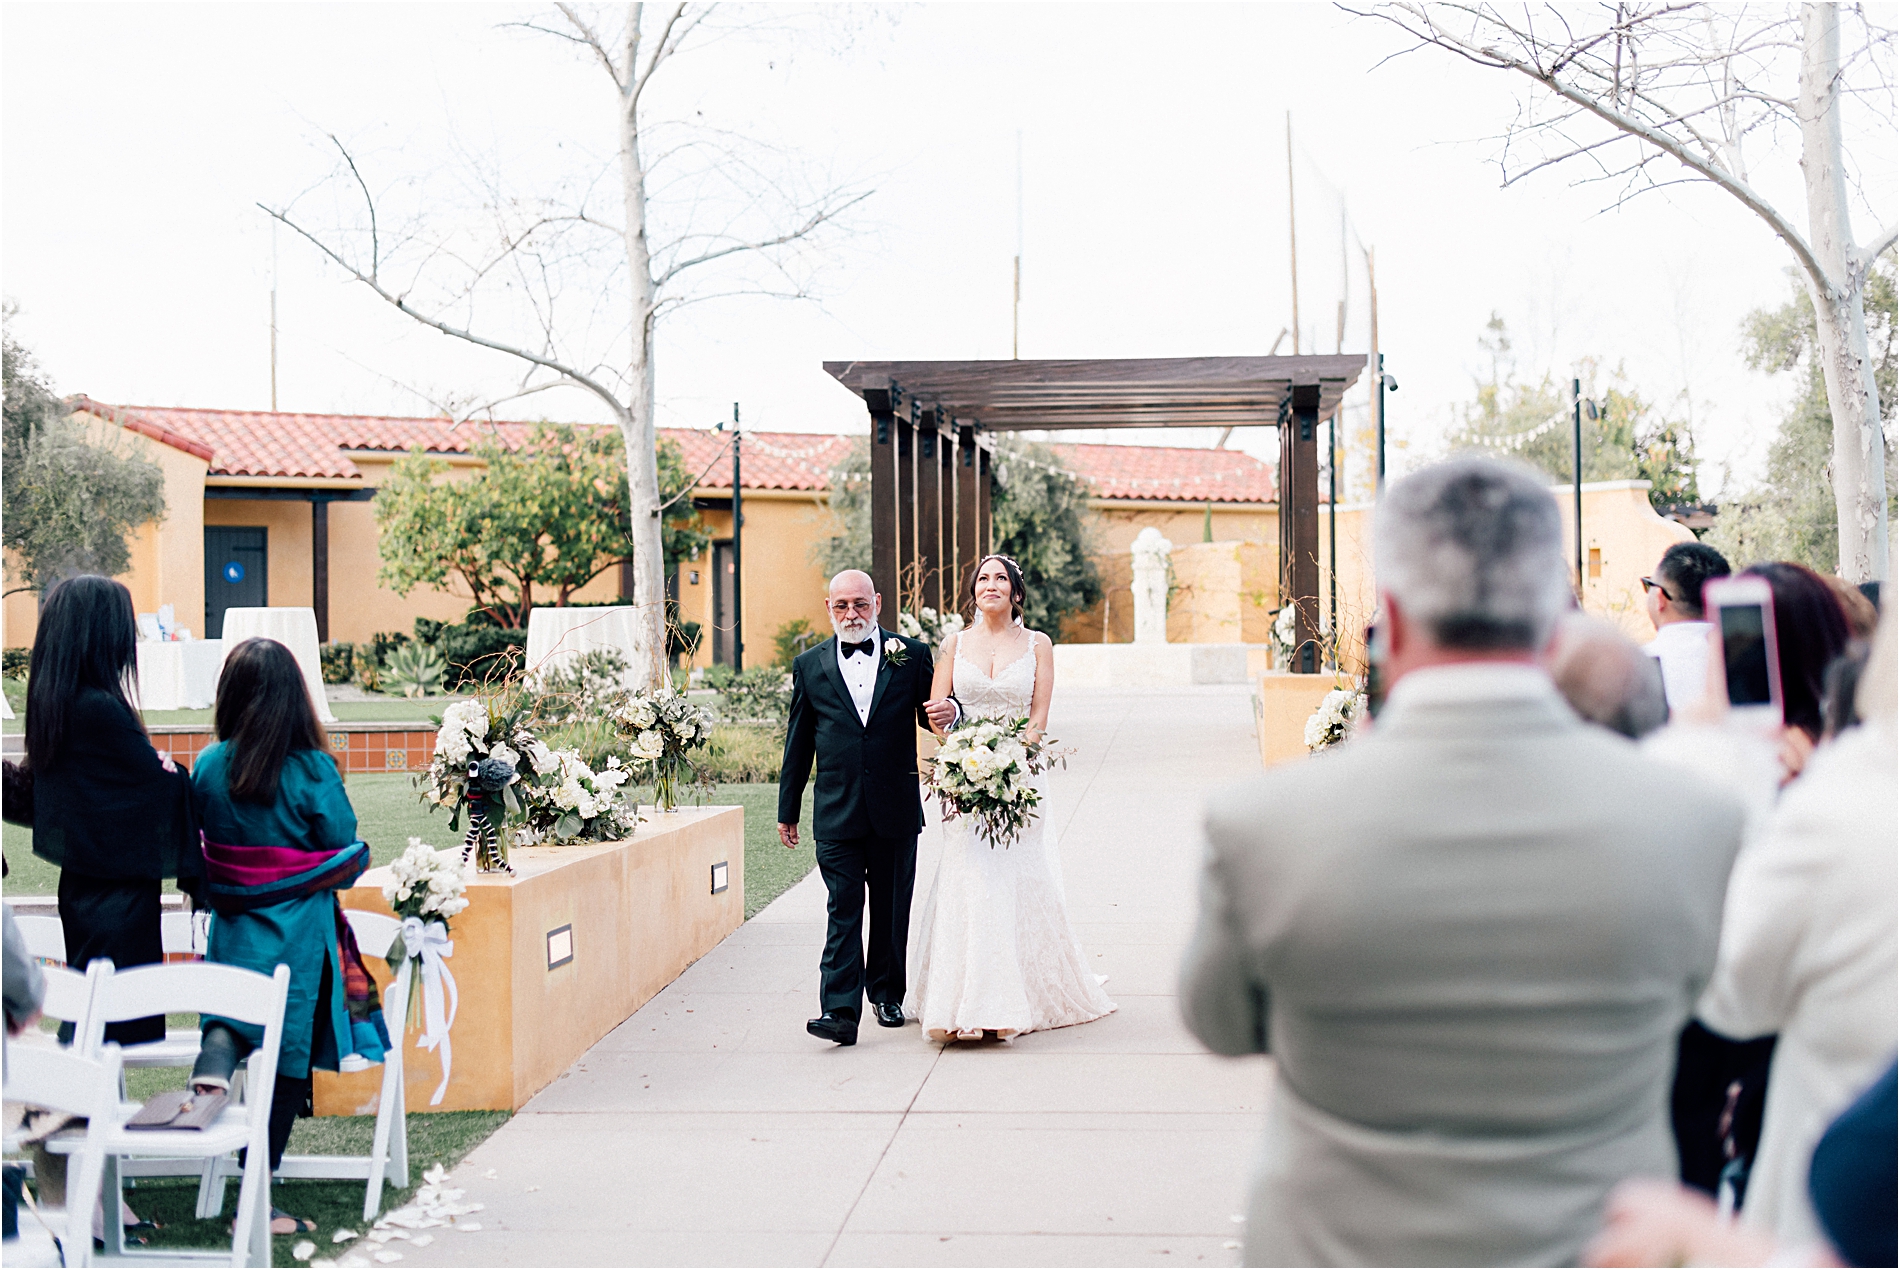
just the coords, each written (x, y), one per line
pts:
(661, 729)
(1330, 724)
(986, 770)
(570, 802)
(483, 754)
(426, 883)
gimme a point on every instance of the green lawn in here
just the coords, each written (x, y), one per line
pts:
(386, 710)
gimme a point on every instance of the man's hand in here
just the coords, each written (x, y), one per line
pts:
(788, 834)
(941, 712)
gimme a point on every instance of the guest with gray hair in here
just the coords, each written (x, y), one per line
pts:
(1469, 938)
(1606, 676)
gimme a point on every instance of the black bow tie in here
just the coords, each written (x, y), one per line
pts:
(863, 646)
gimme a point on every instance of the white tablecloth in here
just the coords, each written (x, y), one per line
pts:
(179, 674)
(295, 629)
(558, 636)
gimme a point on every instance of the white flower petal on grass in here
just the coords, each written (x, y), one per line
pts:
(385, 1257)
(303, 1250)
(422, 1241)
(468, 1227)
(343, 1236)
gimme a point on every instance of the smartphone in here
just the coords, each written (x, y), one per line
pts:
(1743, 611)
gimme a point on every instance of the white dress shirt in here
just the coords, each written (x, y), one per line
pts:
(860, 672)
(1682, 649)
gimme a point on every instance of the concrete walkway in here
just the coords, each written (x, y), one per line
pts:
(710, 1129)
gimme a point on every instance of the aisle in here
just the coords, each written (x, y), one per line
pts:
(710, 1129)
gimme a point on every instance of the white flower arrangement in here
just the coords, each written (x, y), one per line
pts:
(484, 757)
(573, 803)
(929, 626)
(1285, 632)
(426, 883)
(1333, 721)
(986, 770)
(662, 728)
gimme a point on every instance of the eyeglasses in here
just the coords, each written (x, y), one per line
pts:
(1651, 583)
(850, 606)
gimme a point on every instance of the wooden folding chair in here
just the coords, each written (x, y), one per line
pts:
(233, 993)
(388, 1160)
(60, 1080)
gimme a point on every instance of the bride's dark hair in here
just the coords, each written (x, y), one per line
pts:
(1017, 591)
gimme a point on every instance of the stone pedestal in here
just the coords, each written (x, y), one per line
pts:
(550, 960)
(1150, 587)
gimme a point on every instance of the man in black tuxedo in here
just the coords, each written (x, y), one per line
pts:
(856, 699)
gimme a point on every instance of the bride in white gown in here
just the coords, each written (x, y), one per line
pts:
(995, 952)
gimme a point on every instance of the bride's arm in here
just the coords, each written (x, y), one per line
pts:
(1045, 684)
(943, 679)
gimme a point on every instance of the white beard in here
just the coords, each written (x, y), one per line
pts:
(854, 631)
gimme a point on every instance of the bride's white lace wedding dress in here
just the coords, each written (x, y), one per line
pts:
(995, 951)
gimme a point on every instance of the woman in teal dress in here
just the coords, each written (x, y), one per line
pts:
(280, 841)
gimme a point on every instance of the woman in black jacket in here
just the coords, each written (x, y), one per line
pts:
(115, 817)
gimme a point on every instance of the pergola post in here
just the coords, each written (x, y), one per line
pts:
(1299, 522)
(968, 528)
(882, 403)
(906, 597)
(947, 514)
(985, 543)
(929, 516)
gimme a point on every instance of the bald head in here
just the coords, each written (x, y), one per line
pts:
(1606, 677)
(852, 603)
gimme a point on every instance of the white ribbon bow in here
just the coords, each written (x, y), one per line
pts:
(430, 943)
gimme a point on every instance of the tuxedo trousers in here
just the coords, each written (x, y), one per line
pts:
(865, 958)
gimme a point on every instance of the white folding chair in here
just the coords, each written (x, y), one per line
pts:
(179, 936)
(233, 993)
(45, 936)
(388, 1160)
(64, 1081)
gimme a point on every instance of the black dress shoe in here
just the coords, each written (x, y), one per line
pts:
(888, 1015)
(834, 1027)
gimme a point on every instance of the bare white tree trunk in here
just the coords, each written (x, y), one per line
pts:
(1860, 468)
(637, 424)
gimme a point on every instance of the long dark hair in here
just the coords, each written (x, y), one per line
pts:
(86, 638)
(1018, 592)
(1811, 630)
(264, 711)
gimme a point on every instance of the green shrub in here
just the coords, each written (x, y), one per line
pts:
(584, 688)
(414, 670)
(762, 694)
(741, 753)
(793, 638)
(14, 661)
(339, 661)
(480, 655)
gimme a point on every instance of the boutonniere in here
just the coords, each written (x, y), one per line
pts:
(895, 652)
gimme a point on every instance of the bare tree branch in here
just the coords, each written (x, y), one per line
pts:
(816, 220)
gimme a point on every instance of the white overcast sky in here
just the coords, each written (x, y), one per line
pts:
(136, 140)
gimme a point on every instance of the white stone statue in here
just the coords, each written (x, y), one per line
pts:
(1150, 588)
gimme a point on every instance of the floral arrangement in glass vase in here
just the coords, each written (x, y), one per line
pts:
(484, 752)
(1333, 721)
(986, 770)
(571, 802)
(662, 729)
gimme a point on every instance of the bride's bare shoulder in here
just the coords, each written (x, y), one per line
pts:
(1040, 642)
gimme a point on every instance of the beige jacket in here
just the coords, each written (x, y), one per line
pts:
(1469, 939)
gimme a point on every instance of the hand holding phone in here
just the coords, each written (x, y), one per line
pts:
(1742, 612)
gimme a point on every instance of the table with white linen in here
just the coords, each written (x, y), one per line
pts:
(295, 629)
(179, 674)
(558, 636)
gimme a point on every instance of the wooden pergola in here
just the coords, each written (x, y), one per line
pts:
(932, 426)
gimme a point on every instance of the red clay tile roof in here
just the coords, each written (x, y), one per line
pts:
(1168, 472)
(314, 446)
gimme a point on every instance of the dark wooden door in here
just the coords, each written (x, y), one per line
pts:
(236, 573)
(724, 579)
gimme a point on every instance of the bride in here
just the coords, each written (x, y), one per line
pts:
(996, 953)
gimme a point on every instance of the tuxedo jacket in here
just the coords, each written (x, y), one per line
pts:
(866, 772)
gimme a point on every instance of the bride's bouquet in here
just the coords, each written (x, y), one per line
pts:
(986, 770)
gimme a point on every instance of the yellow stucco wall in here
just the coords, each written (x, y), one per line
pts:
(780, 582)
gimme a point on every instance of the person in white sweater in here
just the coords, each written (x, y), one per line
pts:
(1808, 947)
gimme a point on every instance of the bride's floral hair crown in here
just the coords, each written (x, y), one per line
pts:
(1018, 592)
